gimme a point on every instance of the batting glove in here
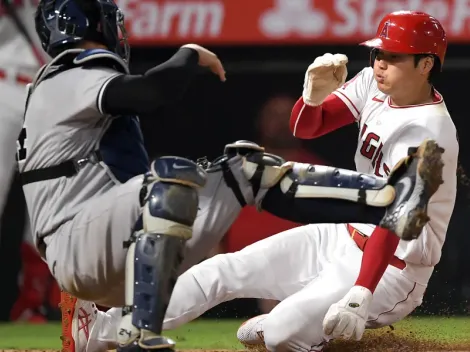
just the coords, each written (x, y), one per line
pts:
(326, 74)
(348, 317)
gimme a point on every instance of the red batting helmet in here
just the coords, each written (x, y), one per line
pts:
(410, 32)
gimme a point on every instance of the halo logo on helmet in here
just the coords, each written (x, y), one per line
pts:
(62, 24)
(384, 33)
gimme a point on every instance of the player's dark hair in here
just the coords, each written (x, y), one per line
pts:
(436, 68)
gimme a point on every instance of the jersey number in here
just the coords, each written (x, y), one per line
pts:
(20, 145)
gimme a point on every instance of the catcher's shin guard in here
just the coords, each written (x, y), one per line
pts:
(306, 193)
(170, 203)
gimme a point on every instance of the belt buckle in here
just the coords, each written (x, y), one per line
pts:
(80, 163)
(91, 158)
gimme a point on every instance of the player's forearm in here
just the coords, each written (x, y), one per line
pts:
(309, 122)
(161, 85)
(378, 253)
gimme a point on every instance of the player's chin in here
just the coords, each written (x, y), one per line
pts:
(384, 87)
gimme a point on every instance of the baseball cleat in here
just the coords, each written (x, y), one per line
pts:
(416, 178)
(78, 320)
(251, 334)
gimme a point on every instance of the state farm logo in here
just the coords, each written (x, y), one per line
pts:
(240, 21)
(173, 18)
(350, 18)
(289, 16)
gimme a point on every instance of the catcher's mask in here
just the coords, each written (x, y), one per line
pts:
(61, 24)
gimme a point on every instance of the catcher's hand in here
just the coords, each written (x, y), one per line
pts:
(208, 59)
(326, 74)
(348, 317)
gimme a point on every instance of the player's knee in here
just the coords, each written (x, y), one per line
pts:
(188, 301)
(170, 193)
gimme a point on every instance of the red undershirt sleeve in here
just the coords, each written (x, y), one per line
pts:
(308, 122)
(378, 252)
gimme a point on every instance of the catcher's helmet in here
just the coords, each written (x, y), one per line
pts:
(410, 32)
(60, 24)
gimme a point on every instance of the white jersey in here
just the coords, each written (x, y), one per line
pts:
(16, 54)
(385, 134)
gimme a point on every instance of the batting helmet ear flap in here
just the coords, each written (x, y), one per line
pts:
(373, 55)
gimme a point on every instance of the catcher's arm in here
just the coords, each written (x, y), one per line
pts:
(161, 85)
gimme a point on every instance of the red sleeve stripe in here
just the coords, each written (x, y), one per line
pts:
(298, 119)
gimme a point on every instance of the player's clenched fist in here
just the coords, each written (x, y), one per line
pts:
(208, 59)
(348, 317)
(326, 74)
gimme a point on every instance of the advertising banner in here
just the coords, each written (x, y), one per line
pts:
(265, 22)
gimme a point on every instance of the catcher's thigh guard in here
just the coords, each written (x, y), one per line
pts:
(170, 203)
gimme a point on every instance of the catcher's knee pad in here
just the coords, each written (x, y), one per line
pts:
(169, 196)
(170, 203)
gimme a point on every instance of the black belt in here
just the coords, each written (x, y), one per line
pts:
(68, 168)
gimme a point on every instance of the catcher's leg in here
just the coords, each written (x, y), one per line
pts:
(307, 193)
(170, 202)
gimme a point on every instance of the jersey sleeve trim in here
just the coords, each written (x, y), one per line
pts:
(354, 110)
(99, 98)
(294, 132)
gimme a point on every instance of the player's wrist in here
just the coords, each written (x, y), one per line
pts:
(310, 99)
(310, 102)
(366, 292)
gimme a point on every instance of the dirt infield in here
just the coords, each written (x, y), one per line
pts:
(392, 343)
(386, 343)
